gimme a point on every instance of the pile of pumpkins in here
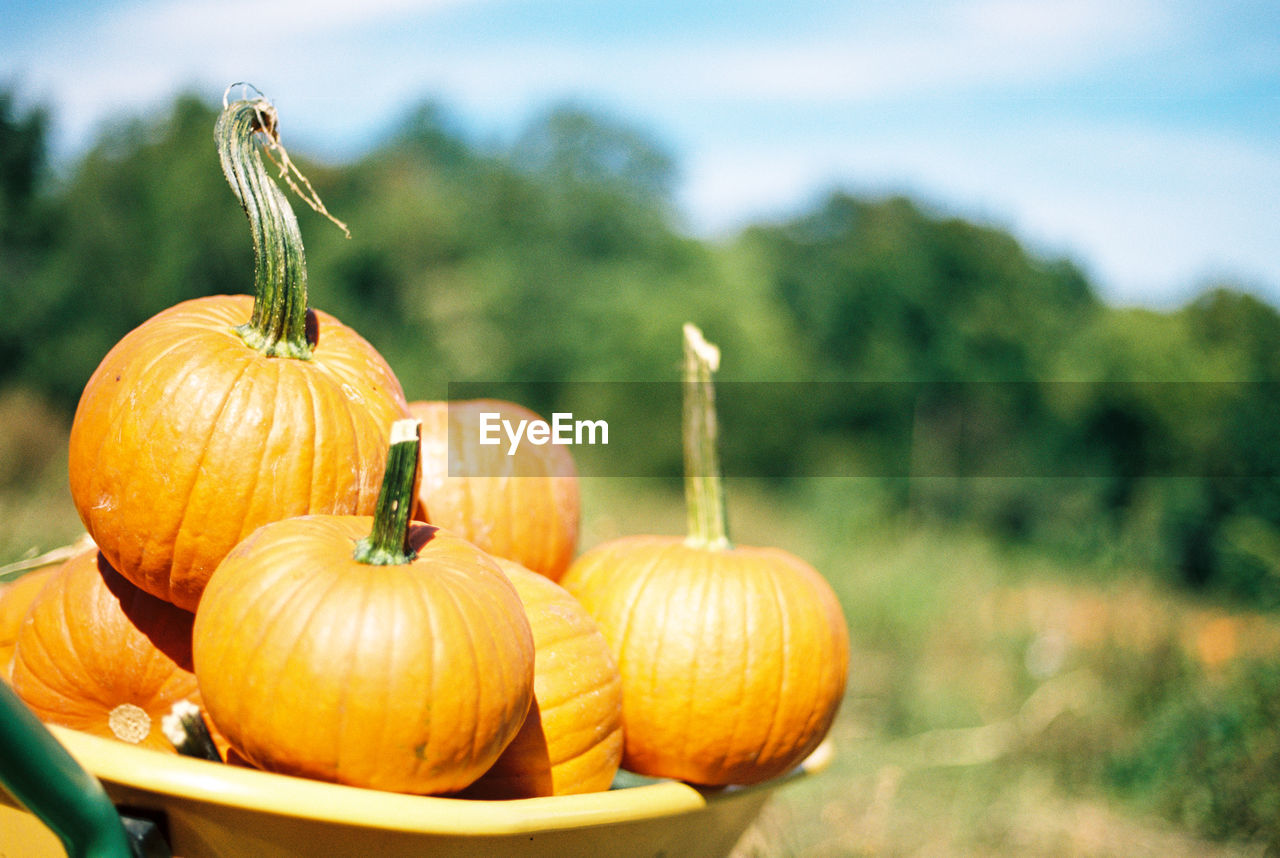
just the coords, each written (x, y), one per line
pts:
(349, 590)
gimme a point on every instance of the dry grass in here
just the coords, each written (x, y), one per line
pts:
(991, 693)
(35, 502)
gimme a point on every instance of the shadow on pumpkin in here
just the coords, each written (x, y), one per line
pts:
(523, 770)
(166, 626)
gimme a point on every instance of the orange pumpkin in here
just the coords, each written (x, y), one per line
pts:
(571, 741)
(17, 594)
(15, 598)
(97, 654)
(223, 413)
(733, 659)
(522, 507)
(375, 652)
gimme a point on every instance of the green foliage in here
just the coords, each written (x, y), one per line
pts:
(25, 221)
(136, 231)
(1001, 391)
(21, 162)
(1211, 761)
(883, 291)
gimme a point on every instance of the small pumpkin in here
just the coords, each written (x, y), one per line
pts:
(97, 654)
(733, 658)
(222, 413)
(374, 652)
(571, 740)
(15, 598)
(522, 507)
(17, 593)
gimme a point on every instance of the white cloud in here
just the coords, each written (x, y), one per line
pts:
(133, 57)
(1048, 21)
(1144, 208)
(950, 48)
(206, 23)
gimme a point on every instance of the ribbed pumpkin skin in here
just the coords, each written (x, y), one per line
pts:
(15, 598)
(186, 440)
(523, 507)
(733, 662)
(91, 642)
(409, 678)
(571, 741)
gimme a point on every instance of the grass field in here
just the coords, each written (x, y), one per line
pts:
(1000, 702)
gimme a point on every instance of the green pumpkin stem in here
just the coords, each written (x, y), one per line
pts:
(186, 730)
(388, 543)
(703, 486)
(278, 326)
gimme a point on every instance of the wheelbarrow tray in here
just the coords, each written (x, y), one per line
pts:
(211, 810)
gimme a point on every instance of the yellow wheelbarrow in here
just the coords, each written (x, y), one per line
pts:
(68, 793)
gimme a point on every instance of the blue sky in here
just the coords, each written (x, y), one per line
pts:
(1139, 137)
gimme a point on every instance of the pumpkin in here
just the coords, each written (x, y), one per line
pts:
(17, 593)
(523, 507)
(571, 740)
(733, 658)
(97, 654)
(15, 598)
(222, 413)
(375, 652)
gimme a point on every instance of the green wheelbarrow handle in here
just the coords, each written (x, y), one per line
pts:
(46, 780)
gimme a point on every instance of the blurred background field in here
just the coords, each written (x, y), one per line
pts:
(1065, 627)
(1005, 701)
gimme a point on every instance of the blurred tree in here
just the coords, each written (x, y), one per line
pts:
(887, 292)
(145, 220)
(25, 225)
(22, 159)
(871, 336)
(949, 324)
(575, 149)
(429, 132)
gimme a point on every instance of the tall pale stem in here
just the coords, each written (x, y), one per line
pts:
(703, 486)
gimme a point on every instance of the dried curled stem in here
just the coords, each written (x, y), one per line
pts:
(268, 123)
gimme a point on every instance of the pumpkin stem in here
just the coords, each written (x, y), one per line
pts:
(186, 730)
(278, 326)
(703, 486)
(388, 543)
